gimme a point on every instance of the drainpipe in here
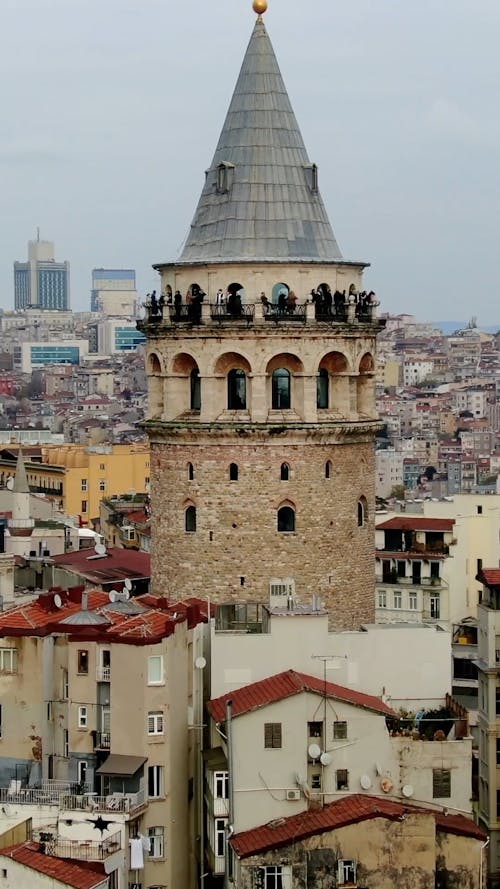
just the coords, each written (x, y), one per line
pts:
(230, 820)
(483, 847)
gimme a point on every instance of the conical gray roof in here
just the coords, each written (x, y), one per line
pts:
(262, 204)
(20, 485)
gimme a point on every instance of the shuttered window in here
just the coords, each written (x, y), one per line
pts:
(272, 734)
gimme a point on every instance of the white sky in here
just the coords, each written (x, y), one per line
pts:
(111, 110)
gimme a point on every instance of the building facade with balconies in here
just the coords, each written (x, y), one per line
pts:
(101, 744)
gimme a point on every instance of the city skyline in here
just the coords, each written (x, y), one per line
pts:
(410, 187)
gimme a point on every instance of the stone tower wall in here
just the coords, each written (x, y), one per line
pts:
(236, 550)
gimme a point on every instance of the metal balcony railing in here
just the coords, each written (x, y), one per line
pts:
(103, 674)
(102, 740)
(79, 850)
(113, 802)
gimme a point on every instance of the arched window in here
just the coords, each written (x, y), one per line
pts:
(195, 389)
(233, 472)
(362, 512)
(328, 469)
(281, 396)
(190, 472)
(236, 390)
(286, 519)
(322, 385)
(190, 519)
(285, 472)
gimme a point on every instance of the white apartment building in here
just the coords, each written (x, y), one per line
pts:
(389, 471)
(417, 370)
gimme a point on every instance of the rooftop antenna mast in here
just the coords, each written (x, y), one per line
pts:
(326, 658)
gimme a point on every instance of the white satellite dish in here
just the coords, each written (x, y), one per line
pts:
(113, 596)
(125, 594)
(127, 583)
(200, 663)
(407, 790)
(100, 549)
(365, 782)
(57, 600)
(326, 759)
(314, 751)
(10, 484)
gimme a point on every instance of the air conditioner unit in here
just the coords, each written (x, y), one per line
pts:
(293, 795)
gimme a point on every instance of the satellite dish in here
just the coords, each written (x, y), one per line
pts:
(57, 600)
(407, 790)
(314, 751)
(127, 583)
(200, 663)
(100, 549)
(125, 594)
(113, 596)
(365, 782)
(325, 759)
(10, 484)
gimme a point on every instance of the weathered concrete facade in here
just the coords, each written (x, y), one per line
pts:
(409, 853)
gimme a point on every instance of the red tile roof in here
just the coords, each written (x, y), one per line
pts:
(490, 576)
(35, 618)
(351, 809)
(67, 872)
(416, 523)
(115, 566)
(284, 685)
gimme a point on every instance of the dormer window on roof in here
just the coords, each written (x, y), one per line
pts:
(225, 177)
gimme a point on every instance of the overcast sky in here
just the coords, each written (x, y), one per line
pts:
(111, 110)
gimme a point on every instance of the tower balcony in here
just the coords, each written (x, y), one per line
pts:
(158, 321)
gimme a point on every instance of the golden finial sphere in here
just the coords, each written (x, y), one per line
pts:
(259, 6)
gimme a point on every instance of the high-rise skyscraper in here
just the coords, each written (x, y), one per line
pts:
(261, 365)
(41, 282)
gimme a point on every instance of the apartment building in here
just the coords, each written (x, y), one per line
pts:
(100, 750)
(296, 746)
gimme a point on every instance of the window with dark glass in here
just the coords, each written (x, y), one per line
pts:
(328, 469)
(195, 381)
(272, 734)
(233, 472)
(190, 472)
(441, 783)
(236, 390)
(322, 381)
(285, 472)
(281, 396)
(286, 519)
(342, 779)
(190, 518)
(83, 661)
(361, 513)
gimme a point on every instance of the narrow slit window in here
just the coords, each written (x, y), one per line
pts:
(233, 472)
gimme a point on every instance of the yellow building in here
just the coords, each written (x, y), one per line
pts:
(77, 477)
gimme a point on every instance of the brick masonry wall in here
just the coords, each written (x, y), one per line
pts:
(236, 537)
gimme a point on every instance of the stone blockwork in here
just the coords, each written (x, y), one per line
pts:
(236, 550)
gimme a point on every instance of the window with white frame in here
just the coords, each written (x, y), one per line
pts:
(412, 600)
(281, 588)
(65, 743)
(82, 717)
(155, 781)
(435, 604)
(339, 730)
(382, 598)
(156, 836)
(220, 837)
(102, 484)
(272, 877)
(82, 769)
(155, 670)
(155, 722)
(221, 785)
(84, 485)
(346, 871)
(65, 685)
(398, 599)
(8, 660)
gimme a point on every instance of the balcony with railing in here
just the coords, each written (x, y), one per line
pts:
(80, 850)
(124, 803)
(102, 740)
(103, 674)
(47, 793)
